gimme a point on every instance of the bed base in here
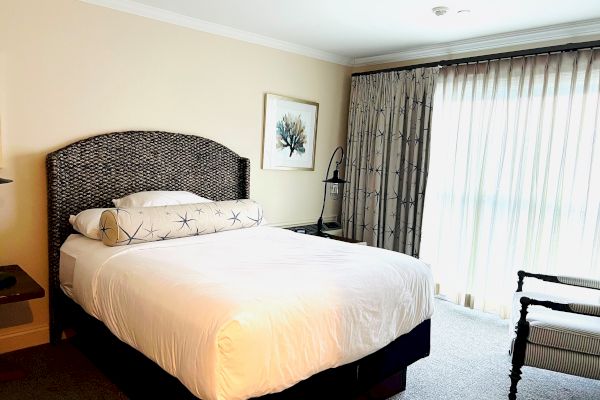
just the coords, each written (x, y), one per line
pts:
(377, 376)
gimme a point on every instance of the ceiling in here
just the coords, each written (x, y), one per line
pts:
(359, 31)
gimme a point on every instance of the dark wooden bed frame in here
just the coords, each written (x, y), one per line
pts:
(92, 172)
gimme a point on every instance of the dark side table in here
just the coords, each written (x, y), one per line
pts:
(25, 288)
(312, 230)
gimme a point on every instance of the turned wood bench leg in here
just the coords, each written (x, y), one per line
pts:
(519, 349)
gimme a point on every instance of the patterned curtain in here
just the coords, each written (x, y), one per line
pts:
(387, 158)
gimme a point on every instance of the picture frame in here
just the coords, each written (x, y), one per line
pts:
(289, 133)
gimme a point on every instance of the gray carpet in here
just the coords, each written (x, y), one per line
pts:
(469, 361)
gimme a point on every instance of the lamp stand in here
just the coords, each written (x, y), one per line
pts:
(334, 179)
(320, 227)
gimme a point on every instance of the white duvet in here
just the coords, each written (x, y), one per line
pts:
(244, 313)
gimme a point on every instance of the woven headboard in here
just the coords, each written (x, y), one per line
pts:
(92, 172)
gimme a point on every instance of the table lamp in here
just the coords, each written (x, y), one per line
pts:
(335, 181)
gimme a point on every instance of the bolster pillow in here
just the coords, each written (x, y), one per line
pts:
(123, 226)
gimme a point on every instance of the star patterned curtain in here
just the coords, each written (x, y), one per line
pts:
(387, 158)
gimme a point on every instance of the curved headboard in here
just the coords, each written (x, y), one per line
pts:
(92, 172)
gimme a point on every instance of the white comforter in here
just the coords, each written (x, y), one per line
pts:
(248, 312)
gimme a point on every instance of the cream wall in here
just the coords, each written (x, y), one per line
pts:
(69, 70)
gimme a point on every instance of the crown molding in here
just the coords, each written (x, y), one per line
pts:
(567, 31)
(159, 14)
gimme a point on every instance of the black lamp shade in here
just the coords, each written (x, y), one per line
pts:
(2, 180)
(335, 178)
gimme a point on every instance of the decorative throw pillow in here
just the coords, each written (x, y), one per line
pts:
(86, 222)
(159, 198)
(123, 226)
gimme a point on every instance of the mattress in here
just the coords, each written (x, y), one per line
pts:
(243, 313)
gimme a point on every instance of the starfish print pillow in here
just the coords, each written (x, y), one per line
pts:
(125, 226)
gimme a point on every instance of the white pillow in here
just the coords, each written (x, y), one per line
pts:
(159, 198)
(87, 221)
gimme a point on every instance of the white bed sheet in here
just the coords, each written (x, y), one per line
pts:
(253, 311)
(66, 272)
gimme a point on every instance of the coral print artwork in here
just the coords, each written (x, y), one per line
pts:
(290, 133)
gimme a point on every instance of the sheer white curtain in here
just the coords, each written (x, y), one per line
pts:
(514, 177)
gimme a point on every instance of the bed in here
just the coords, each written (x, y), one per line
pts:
(292, 360)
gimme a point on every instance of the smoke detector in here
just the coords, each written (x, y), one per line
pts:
(439, 11)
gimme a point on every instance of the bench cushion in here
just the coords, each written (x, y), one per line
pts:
(559, 360)
(560, 330)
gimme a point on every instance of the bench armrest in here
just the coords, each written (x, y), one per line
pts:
(585, 309)
(573, 308)
(564, 280)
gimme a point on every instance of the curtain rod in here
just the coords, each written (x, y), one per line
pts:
(489, 57)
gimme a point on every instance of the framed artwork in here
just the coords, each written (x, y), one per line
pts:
(290, 133)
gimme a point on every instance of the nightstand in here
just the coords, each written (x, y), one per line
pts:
(25, 288)
(312, 230)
